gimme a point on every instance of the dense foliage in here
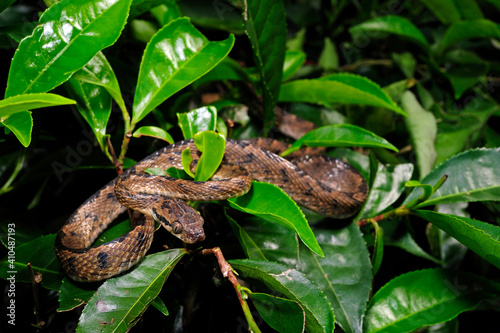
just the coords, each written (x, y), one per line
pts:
(405, 91)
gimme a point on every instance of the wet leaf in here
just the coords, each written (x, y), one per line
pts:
(20, 103)
(177, 55)
(197, 120)
(212, 145)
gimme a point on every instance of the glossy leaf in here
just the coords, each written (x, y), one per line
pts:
(422, 298)
(40, 254)
(344, 275)
(423, 129)
(387, 185)
(463, 30)
(21, 103)
(265, 25)
(94, 105)
(176, 56)
(69, 34)
(271, 203)
(186, 160)
(155, 132)
(295, 286)
(472, 176)
(98, 71)
(392, 24)
(338, 89)
(482, 238)
(283, 315)
(212, 145)
(20, 124)
(266, 240)
(197, 120)
(120, 301)
(340, 135)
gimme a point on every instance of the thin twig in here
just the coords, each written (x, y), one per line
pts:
(116, 162)
(36, 279)
(227, 271)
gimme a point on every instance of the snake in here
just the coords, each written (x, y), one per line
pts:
(320, 183)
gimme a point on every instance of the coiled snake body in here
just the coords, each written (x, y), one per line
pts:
(323, 184)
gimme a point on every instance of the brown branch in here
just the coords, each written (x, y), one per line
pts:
(36, 279)
(116, 162)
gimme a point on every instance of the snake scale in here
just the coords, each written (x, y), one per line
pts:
(322, 184)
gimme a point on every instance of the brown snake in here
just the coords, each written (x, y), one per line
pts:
(322, 184)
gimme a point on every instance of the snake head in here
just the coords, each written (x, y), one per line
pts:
(181, 220)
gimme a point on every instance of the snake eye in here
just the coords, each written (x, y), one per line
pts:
(177, 227)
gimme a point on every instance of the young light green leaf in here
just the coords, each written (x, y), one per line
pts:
(212, 145)
(186, 161)
(340, 135)
(176, 56)
(155, 132)
(120, 301)
(270, 202)
(338, 89)
(283, 315)
(295, 286)
(392, 24)
(26, 102)
(472, 176)
(40, 254)
(423, 129)
(344, 275)
(20, 124)
(482, 238)
(265, 26)
(423, 298)
(463, 30)
(70, 33)
(197, 120)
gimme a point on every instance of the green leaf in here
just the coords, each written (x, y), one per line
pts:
(423, 298)
(472, 176)
(328, 59)
(98, 71)
(20, 124)
(423, 129)
(40, 254)
(227, 69)
(445, 10)
(265, 25)
(119, 302)
(186, 160)
(26, 102)
(270, 202)
(338, 89)
(73, 295)
(155, 132)
(378, 247)
(465, 70)
(295, 286)
(283, 315)
(197, 120)
(70, 33)
(94, 105)
(388, 183)
(482, 238)
(292, 63)
(212, 145)
(392, 24)
(340, 135)
(266, 240)
(175, 57)
(344, 275)
(463, 30)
